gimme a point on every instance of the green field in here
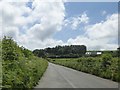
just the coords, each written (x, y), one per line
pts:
(20, 68)
(105, 66)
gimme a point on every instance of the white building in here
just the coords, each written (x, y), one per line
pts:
(93, 53)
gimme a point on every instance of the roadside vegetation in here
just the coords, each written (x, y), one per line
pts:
(104, 66)
(20, 68)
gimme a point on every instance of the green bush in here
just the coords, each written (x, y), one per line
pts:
(106, 60)
(21, 69)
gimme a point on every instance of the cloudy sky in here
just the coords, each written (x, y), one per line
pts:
(39, 24)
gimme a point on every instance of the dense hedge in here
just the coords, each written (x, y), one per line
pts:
(21, 69)
(105, 66)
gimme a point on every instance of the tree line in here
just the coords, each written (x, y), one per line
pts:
(62, 51)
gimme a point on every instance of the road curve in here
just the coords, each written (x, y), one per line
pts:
(57, 76)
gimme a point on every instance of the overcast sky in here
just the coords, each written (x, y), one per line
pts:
(39, 24)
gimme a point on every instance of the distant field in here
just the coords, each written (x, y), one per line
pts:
(105, 66)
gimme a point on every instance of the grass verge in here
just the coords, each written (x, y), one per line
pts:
(99, 66)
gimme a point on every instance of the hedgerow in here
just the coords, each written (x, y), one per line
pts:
(20, 68)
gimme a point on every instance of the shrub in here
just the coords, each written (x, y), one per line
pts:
(106, 60)
(21, 69)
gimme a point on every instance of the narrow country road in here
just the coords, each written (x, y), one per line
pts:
(58, 76)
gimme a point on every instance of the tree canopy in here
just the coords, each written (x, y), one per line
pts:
(62, 51)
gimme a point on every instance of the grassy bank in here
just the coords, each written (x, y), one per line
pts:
(105, 66)
(20, 68)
